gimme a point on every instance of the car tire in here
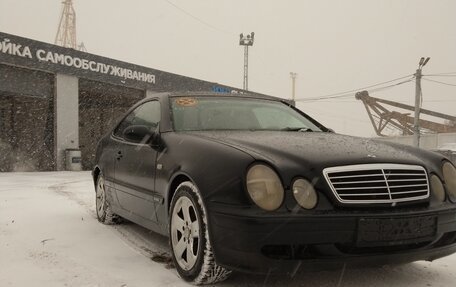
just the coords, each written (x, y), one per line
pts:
(190, 243)
(102, 205)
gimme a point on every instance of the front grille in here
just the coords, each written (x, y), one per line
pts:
(377, 183)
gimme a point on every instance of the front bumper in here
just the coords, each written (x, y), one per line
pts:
(283, 243)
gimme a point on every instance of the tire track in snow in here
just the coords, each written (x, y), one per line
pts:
(141, 240)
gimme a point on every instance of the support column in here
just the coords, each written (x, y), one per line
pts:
(66, 117)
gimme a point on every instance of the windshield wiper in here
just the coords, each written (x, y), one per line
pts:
(297, 129)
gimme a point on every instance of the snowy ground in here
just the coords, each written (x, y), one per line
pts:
(49, 236)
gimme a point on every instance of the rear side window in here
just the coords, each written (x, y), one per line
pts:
(147, 114)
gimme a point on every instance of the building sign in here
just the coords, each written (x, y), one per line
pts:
(30, 54)
(16, 49)
(219, 89)
(93, 66)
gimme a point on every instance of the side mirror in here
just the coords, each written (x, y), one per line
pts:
(331, 130)
(138, 133)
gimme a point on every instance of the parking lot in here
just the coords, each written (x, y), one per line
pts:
(49, 236)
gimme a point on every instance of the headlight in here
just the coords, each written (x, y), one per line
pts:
(264, 187)
(304, 193)
(437, 188)
(449, 176)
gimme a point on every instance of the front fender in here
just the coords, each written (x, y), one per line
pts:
(216, 169)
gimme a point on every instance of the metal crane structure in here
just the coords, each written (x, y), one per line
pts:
(384, 119)
(66, 33)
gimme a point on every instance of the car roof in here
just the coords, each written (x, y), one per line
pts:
(212, 94)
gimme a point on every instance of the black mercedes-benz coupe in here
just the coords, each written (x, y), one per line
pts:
(249, 183)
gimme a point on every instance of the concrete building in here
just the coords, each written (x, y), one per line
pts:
(53, 99)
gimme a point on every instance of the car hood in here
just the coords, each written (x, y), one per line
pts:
(315, 149)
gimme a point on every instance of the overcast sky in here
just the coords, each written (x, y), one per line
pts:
(334, 46)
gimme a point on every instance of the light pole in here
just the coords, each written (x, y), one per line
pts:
(293, 83)
(416, 122)
(246, 41)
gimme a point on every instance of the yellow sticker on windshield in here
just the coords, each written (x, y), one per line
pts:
(186, 102)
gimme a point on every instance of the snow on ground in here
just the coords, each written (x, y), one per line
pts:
(49, 236)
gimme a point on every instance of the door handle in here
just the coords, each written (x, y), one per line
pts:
(119, 155)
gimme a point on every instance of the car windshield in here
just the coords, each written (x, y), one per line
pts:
(233, 113)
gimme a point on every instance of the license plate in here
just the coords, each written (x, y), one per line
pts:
(394, 231)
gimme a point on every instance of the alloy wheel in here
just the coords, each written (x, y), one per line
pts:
(100, 197)
(185, 233)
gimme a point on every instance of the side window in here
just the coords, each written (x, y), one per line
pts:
(123, 125)
(147, 114)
